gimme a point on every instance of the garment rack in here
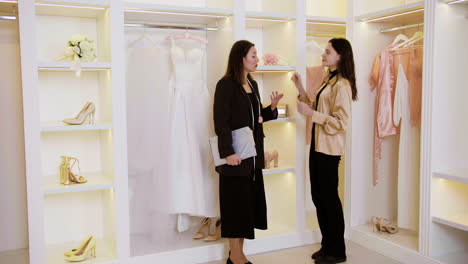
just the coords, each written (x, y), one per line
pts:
(400, 28)
(146, 25)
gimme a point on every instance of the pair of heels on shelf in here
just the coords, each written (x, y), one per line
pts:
(383, 225)
(87, 112)
(204, 229)
(269, 156)
(66, 174)
(86, 248)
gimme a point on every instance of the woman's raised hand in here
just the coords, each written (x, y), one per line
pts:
(275, 97)
(297, 80)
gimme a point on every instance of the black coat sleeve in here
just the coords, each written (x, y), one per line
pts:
(222, 116)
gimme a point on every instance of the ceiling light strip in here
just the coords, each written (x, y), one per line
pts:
(394, 15)
(173, 13)
(71, 6)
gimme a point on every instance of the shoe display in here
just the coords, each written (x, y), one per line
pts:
(217, 234)
(204, 226)
(86, 248)
(87, 112)
(67, 176)
(269, 156)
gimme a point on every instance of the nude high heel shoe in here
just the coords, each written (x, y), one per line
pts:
(267, 160)
(275, 156)
(87, 112)
(204, 226)
(217, 234)
(87, 248)
(387, 227)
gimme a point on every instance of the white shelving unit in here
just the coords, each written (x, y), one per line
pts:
(457, 175)
(60, 216)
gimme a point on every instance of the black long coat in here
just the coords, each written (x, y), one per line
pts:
(233, 110)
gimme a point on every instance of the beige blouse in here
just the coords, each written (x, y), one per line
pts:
(332, 115)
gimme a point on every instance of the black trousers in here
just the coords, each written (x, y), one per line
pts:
(324, 187)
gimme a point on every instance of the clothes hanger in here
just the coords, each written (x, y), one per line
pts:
(418, 35)
(144, 36)
(186, 35)
(398, 38)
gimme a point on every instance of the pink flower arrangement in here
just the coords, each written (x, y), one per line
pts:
(270, 59)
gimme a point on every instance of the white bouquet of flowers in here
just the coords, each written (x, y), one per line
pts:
(79, 49)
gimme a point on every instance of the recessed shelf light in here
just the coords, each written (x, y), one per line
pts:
(394, 15)
(172, 13)
(71, 6)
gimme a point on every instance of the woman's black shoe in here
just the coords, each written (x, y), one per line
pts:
(318, 254)
(229, 261)
(329, 260)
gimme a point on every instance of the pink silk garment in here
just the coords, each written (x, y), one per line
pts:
(383, 81)
(314, 80)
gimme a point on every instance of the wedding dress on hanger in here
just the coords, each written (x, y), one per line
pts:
(193, 178)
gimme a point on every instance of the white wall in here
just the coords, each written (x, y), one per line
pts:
(13, 216)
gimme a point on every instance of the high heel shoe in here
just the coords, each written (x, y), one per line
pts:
(269, 156)
(87, 248)
(217, 234)
(204, 226)
(87, 112)
(387, 227)
(73, 251)
(275, 157)
(76, 178)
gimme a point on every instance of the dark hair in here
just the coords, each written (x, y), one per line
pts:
(235, 67)
(346, 62)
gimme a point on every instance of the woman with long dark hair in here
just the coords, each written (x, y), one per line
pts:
(330, 112)
(237, 104)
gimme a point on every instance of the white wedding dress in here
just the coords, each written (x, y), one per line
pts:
(193, 178)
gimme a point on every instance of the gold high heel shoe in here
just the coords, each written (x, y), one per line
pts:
(204, 226)
(76, 178)
(75, 250)
(217, 234)
(87, 112)
(87, 248)
(387, 227)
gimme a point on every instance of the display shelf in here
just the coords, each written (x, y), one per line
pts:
(326, 25)
(405, 238)
(165, 14)
(262, 19)
(96, 181)
(458, 175)
(72, 8)
(277, 170)
(457, 2)
(411, 13)
(8, 8)
(459, 257)
(274, 69)
(19, 256)
(104, 252)
(457, 221)
(60, 127)
(67, 66)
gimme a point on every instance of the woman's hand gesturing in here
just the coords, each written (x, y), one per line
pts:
(275, 98)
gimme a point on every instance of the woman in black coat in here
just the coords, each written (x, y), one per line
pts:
(237, 104)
